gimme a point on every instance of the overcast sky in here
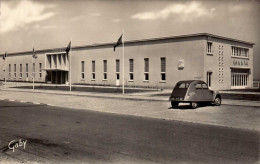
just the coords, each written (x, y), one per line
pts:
(52, 24)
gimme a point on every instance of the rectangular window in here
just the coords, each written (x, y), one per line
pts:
(209, 48)
(33, 70)
(40, 70)
(117, 69)
(9, 70)
(26, 70)
(239, 77)
(82, 70)
(131, 69)
(117, 76)
(239, 52)
(14, 70)
(163, 69)
(105, 69)
(21, 70)
(93, 70)
(33, 67)
(146, 69)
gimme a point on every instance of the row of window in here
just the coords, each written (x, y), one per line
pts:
(26, 70)
(236, 51)
(131, 69)
(239, 52)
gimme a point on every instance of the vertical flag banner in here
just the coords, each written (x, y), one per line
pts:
(119, 42)
(5, 55)
(68, 48)
(34, 54)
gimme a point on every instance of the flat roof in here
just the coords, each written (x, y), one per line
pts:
(130, 42)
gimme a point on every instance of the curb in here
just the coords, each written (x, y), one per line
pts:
(95, 96)
(21, 101)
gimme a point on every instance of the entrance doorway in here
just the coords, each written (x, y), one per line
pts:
(239, 78)
(209, 79)
(56, 77)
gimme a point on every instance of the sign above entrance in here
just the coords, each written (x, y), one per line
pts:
(239, 62)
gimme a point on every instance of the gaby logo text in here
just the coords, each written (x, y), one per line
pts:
(16, 144)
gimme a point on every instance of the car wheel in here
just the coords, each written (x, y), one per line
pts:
(217, 101)
(174, 104)
(194, 105)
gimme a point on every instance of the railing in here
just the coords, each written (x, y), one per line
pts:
(256, 84)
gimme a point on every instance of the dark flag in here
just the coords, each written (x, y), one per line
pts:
(68, 48)
(5, 55)
(34, 54)
(119, 41)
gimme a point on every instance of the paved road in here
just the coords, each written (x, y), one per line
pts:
(57, 135)
(235, 116)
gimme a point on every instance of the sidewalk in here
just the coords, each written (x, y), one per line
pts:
(140, 96)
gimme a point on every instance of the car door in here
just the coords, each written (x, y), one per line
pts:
(207, 94)
(198, 91)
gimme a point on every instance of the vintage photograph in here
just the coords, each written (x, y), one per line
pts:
(130, 81)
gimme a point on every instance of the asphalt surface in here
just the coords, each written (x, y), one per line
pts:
(235, 114)
(63, 135)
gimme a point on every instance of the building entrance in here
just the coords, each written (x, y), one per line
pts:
(239, 78)
(57, 68)
(57, 77)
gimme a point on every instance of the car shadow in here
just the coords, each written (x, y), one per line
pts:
(188, 107)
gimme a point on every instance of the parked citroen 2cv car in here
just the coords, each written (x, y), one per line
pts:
(193, 92)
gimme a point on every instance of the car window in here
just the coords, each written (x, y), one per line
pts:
(184, 85)
(204, 86)
(198, 86)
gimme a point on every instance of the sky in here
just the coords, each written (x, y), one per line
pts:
(45, 24)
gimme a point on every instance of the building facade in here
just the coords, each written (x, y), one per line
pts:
(224, 63)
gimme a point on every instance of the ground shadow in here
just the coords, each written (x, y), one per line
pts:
(188, 107)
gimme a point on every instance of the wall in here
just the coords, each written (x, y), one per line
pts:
(189, 49)
(192, 50)
(22, 59)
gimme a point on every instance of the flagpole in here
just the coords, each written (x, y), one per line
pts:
(32, 68)
(123, 62)
(33, 72)
(70, 63)
(5, 72)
